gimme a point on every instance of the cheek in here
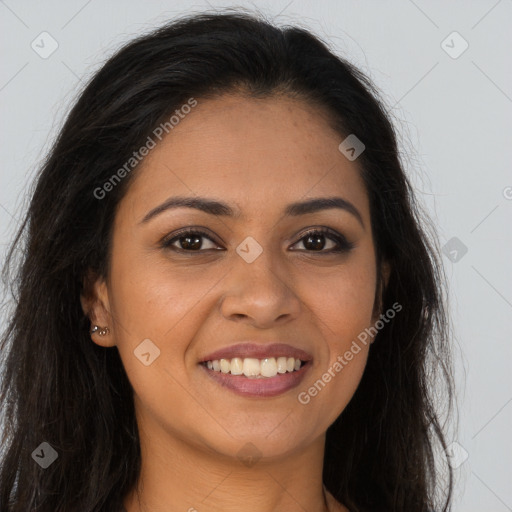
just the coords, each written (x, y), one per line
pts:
(343, 301)
(344, 310)
(152, 300)
(150, 303)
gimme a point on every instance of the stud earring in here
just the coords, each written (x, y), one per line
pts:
(101, 331)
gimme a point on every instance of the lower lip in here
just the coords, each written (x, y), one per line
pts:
(263, 387)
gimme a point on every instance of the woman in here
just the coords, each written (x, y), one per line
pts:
(227, 299)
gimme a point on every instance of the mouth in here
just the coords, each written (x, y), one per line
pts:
(257, 370)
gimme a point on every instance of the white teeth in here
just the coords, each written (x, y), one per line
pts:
(237, 366)
(281, 365)
(224, 366)
(269, 367)
(252, 367)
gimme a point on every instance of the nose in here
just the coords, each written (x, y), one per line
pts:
(259, 293)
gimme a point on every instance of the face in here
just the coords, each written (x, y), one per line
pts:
(255, 276)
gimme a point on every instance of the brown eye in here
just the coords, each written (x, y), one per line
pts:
(314, 241)
(190, 240)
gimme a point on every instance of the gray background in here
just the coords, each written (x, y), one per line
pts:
(454, 117)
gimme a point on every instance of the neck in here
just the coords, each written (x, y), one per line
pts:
(176, 476)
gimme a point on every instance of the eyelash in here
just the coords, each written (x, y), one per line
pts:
(343, 245)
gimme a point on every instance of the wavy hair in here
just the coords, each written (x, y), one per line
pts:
(59, 387)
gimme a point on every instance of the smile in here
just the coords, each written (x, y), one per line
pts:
(261, 378)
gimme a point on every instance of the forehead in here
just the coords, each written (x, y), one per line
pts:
(256, 154)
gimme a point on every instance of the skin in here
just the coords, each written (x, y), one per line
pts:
(257, 155)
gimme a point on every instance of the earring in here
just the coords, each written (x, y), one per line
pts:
(101, 331)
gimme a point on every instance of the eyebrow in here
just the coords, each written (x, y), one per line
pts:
(218, 208)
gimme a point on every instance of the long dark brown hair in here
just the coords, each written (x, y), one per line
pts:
(59, 387)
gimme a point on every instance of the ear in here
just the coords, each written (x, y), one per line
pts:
(95, 304)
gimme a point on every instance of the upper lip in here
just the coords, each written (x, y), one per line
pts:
(257, 351)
